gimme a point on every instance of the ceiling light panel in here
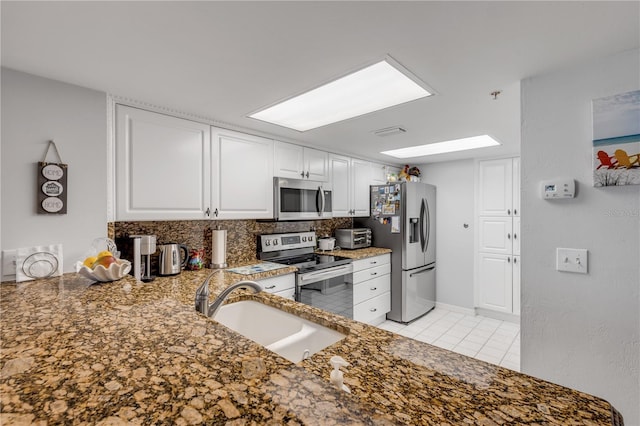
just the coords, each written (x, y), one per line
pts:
(473, 142)
(373, 88)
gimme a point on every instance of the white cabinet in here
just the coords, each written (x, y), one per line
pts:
(280, 285)
(372, 289)
(298, 162)
(498, 264)
(162, 167)
(496, 187)
(515, 268)
(360, 181)
(378, 174)
(242, 178)
(496, 282)
(350, 180)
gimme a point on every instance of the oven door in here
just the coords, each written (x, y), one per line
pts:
(330, 289)
(296, 199)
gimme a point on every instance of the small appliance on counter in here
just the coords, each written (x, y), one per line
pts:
(143, 247)
(326, 243)
(353, 238)
(170, 262)
(218, 248)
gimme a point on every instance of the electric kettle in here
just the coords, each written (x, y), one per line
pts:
(170, 261)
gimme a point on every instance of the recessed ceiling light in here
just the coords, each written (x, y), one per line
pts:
(375, 87)
(473, 142)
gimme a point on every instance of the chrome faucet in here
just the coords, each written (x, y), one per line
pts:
(202, 295)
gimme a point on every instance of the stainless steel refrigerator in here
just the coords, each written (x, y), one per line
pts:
(403, 219)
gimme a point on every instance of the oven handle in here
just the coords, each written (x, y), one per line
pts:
(312, 277)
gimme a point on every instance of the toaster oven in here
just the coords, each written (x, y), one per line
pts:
(353, 238)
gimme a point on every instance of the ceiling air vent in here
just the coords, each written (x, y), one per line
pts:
(389, 131)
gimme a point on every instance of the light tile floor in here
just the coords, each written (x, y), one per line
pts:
(486, 339)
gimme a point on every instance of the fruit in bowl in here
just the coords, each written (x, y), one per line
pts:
(103, 267)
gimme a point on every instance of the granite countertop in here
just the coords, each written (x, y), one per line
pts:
(127, 352)
(357, 254)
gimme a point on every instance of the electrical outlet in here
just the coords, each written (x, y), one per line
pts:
(572, 260)
(9, 262)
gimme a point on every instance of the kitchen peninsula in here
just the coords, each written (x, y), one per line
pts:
(127, 352)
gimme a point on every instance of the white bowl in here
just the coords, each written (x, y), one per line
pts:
(114, 272)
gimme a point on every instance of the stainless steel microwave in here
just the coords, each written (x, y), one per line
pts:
(301, 199)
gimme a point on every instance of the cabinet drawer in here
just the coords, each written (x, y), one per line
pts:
(287, 294)
(371, 273)
(370, 262)
(371, 288)
(278, 283)
(372, 308)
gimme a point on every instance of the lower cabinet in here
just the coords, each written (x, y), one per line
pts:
(281, 285)
(372, 289)
(499, 282)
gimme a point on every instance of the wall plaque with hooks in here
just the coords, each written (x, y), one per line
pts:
(52, 184)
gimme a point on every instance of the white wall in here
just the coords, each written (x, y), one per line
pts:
(35, 110)
(581, 331)
(454, 243)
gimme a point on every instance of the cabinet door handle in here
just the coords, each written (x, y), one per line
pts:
(374, 288)
(302, 173)
(515, 260)
(508, 260)
(215, 213)
(515, 211)
(508, 212)
(508, 236)
(373, 309)
(515, 235)
(208, 212)
(374, 273)
(307, 175)
(269, 287)
(373, 262)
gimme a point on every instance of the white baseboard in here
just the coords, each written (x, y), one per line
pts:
(502, 316)
(454, 308)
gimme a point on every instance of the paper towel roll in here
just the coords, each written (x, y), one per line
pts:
(219, 248)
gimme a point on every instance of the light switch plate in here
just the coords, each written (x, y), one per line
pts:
(572, 260)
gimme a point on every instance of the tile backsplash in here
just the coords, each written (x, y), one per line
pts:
(241, 234)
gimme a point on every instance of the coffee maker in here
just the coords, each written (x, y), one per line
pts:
(143, 247)
(138, 249)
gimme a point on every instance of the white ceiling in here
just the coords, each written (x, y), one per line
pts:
(224, 60)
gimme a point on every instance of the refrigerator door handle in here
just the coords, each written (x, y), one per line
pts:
(430, 268)
(427, 227)
(423, 237)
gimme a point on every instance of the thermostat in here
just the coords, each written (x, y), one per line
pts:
(558, 188)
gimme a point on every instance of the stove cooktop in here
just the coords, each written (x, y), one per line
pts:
(313, 261)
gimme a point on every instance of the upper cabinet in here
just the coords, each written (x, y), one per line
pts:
(162, 167)
(499, 187)
(350, 180)
(379, 174)
(297, 162)
(242, 178)
(169, 168)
